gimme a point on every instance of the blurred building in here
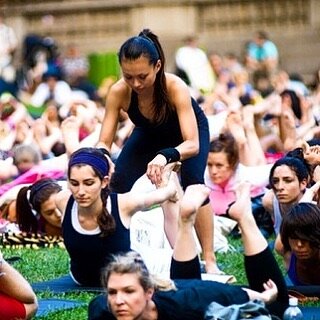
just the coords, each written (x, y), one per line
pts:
(221, 25)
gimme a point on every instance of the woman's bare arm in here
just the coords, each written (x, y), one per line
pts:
(13, 284)
(118, 98)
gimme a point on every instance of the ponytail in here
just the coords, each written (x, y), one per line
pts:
(27, 218)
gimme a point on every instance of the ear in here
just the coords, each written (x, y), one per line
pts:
(149, 293)
(158, 65)
(105, 182)
(303, 184)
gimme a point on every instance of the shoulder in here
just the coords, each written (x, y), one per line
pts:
(121, 93)
(61, 200)
(267, 200)
(120, 87)
(177, 88)
(173, 81)
(270, 46)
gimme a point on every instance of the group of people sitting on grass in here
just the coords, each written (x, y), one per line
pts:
(85, 193)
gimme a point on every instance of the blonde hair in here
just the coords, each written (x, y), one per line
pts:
(132, 262)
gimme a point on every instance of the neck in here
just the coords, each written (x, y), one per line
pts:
(223, 184)
(150, 312)
(286, 207)
(52, 230)
(93, 210)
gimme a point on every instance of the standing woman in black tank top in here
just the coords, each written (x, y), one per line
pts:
(169, 127)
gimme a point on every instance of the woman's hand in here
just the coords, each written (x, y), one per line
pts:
(311, 154)
(267, 296)
(155, 169)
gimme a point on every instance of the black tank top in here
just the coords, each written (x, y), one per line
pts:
(170, 125)
(89, 253)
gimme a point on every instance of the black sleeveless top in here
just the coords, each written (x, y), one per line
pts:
(89, 253)
(171, 124)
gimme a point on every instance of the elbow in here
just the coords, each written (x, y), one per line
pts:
(32, 308)
(195, 148)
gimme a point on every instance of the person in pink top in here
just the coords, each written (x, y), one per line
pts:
(224, 172)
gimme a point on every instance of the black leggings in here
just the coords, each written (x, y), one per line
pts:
(185, 269)
(259, 269)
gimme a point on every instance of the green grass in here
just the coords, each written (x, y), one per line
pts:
(50, 263)
(45, 264)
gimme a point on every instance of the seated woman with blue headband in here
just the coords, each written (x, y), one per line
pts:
(95, 223)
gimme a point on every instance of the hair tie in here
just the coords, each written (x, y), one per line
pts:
(34, 212)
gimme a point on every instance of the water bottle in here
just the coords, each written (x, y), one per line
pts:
(293, 312)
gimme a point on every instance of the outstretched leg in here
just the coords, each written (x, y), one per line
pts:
(171, 207)
(260, 264)
(204, 227)
(185, 263)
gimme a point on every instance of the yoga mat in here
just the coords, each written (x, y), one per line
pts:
(53, 304)
(310, 313)
(62, 284)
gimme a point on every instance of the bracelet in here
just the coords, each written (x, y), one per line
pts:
(171, 154)
(105, 152)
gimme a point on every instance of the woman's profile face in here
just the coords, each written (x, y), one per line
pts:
(287, 187)
(219, 168)
(50, 212)
(126, 297)
(139, 74)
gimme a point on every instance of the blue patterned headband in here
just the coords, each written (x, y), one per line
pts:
(99, 163)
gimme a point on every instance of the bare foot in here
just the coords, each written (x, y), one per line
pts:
(242, 206)
(248, 119)
(316, 174)
(212, 268)
(166, 173)
(311, 153)
(310, 193)
(193, 198)
(288, 130)
(235, 126)
(70, 124)
(170, 177)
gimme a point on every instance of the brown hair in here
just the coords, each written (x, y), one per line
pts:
(226, 143)
(147, 44)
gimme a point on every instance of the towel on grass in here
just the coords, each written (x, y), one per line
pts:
(62, 284)
(55, 304)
